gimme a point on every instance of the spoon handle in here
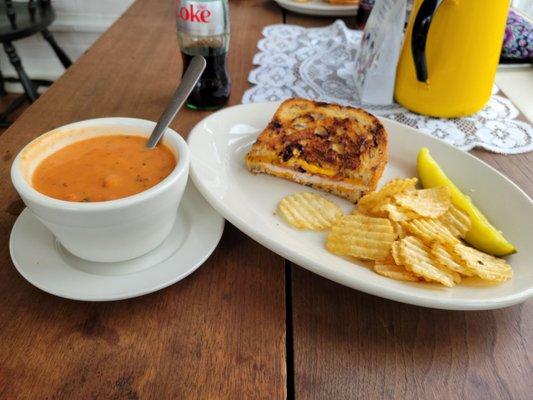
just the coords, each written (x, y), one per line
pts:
(191, 76)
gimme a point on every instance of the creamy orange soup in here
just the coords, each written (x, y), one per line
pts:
(103, 168)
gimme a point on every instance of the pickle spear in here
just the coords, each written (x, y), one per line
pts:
(482, 235)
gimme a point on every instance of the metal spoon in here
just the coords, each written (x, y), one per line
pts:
(191, 76)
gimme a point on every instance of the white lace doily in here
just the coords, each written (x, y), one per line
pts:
(319, 63)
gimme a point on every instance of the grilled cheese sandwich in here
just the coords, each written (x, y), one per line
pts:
(342, 150)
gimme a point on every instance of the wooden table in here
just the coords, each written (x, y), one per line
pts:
(248, 324)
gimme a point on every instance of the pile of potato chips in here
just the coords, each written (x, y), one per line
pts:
(409, 234)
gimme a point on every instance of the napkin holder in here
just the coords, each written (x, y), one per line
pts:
(379, 52)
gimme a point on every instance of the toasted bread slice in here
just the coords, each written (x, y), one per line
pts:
(342, 150)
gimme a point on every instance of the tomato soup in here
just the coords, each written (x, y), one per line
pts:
(103, 168)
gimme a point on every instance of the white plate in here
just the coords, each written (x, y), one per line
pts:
(319, 8)
(219, 143)
(43, 262)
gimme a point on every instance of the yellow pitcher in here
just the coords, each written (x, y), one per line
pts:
(450, 56)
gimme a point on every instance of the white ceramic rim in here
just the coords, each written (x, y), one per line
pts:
(321, 8)
(172, 139)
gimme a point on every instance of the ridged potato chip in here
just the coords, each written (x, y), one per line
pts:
(361, 236)
(395, 253)
(397, 213)
(386, 260)
(430, 203)
(429, 230)
(448, 259)
(484, 265)
(411, 235)
(416, 258)
(457, 221)
(393, 271)
(309, 211)
(455, 276)
(373, 200)
(399, 232)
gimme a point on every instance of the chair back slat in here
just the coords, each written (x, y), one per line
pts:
(11, 14)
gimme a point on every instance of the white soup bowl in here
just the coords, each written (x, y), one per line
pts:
(107, 231)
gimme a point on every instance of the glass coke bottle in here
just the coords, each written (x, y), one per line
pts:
(204, 29)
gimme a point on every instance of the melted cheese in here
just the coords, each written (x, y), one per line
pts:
(313, 169)
(309, 168)
(302, 177)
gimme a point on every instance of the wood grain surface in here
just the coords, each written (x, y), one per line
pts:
(225, 331)
(349, 345)
(220, 333)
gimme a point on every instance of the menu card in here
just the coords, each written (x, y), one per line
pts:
(379, 52)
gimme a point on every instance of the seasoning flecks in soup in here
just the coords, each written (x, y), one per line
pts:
(103, 168)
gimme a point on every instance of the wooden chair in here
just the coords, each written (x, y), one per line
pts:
(17, 21)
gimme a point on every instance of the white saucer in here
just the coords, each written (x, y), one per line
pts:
(319, 8)
(43, 262)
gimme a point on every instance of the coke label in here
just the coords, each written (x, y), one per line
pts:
(200, 18)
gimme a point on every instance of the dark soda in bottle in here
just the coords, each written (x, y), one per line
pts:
(203, 29)
(365, 8)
